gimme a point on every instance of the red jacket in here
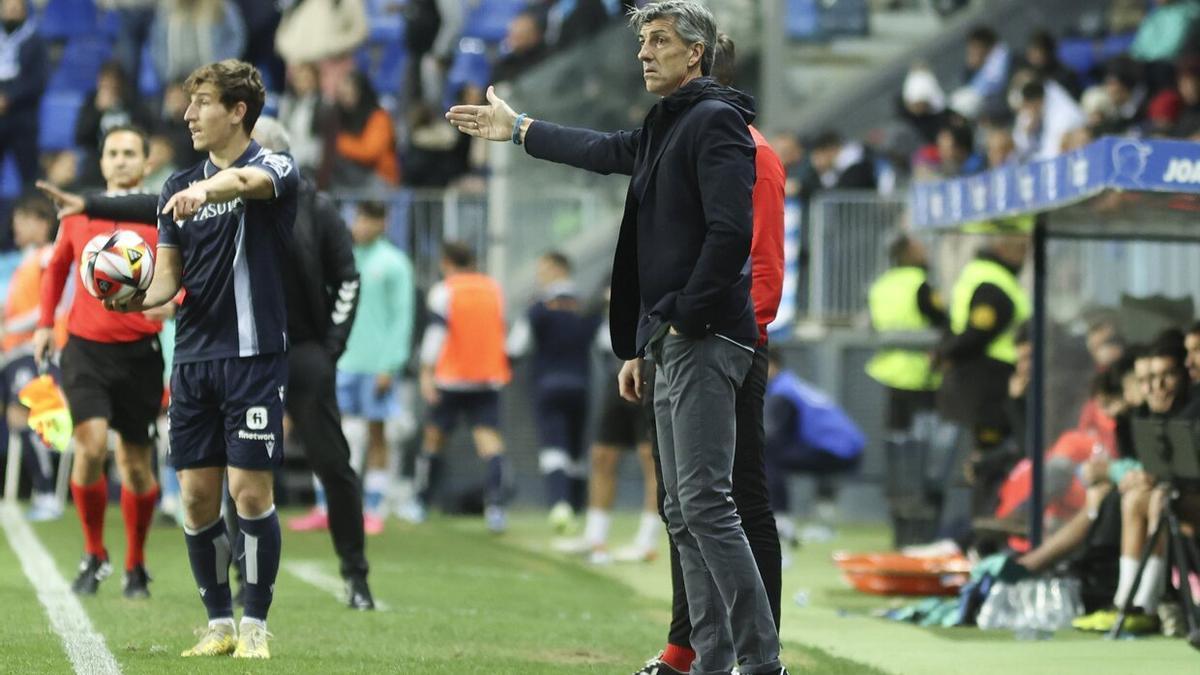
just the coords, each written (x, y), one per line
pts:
(766, 249)
(88, 319)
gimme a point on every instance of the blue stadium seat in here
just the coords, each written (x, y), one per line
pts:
(62, 19)
(802, 20)
(147, 79)
(10, 180)
(384, 65)
(489, 21)
(386, 27)
(81, 61)
(1116, 45)
(824, 19)
(109, 23)
(57, 126)
(1078, 54)
(471, 65)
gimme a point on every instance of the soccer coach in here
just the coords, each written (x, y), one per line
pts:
(681, 297)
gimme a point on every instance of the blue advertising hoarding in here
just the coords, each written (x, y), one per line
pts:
(1108, 164)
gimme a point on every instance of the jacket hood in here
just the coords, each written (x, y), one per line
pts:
(704, 88)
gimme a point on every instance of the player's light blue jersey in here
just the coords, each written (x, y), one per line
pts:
(233, 263)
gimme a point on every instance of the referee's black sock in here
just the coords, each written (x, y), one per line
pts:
(209, 553)
(261, 546)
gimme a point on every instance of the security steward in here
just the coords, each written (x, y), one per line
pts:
(902, 301)
(977, 358)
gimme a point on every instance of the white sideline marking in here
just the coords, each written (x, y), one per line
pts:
(314, 575)
(84, 646)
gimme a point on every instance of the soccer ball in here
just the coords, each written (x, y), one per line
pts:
(116, 265)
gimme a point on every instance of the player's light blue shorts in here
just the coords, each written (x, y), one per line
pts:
(357, 397)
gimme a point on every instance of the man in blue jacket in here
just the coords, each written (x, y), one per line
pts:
(22, 80)
(681, 297)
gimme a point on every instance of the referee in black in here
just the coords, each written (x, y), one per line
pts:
(322, 295)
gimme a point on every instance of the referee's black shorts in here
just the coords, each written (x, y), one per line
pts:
(121, 382)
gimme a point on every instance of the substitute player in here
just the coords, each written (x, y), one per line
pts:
(104, 366)
(559, 332)
(224, 228)
(463, 369)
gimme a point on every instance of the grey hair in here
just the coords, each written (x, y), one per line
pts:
(693, 22)
(271, 135)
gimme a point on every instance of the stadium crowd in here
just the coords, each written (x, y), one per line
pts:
(1135, 73)
(360, 102)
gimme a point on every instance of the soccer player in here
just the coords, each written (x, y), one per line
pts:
(224, 229)
(104, 377)
(378, 349)
(321, 308)
(620, 426)
(463, 369)
(560, 334)
(33, 229)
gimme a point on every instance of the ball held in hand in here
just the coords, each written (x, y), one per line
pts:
(117, 265)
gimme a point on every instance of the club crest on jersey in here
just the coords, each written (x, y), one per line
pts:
(280, 164)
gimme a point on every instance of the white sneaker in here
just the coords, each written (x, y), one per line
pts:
(497, 521)
(635, 553)
(787, 531)
(600, 556)
(43, 506)
(572, 546)
(817, 533)
(411, 512)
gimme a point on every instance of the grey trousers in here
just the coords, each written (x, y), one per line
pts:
(695, 390)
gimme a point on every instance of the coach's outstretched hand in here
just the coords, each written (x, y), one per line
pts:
(68, 203)
(493, 122)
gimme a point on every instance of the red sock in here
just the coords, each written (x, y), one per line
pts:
(679, 658)
(90, 502)
(137, 511)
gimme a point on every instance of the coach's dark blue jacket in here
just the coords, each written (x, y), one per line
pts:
(683, 251)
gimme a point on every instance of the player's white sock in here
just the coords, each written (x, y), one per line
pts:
(375, 487)
(648, 528)
(227, 621)
(355, 430)
(1127, 572)
(595, 527)
(319, 495)
(257, 622)
(1151, 588)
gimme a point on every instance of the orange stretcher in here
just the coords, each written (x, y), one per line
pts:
(899, 574)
